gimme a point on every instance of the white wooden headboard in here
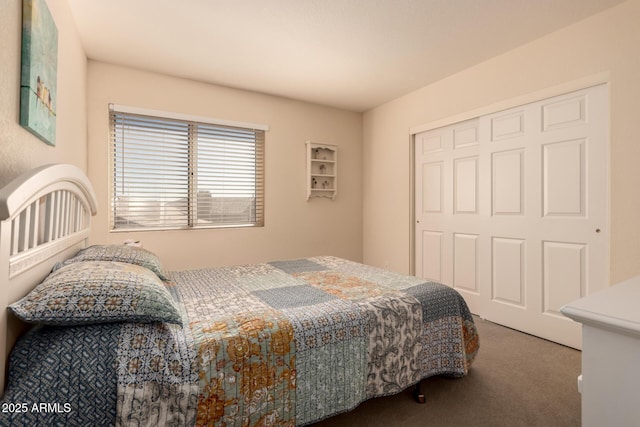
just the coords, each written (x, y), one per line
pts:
(45, 217)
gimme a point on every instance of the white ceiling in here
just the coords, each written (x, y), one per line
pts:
(351, 54)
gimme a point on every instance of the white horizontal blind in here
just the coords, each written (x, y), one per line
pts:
(229, 175)
(170, 173)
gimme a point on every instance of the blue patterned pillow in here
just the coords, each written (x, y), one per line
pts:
(91, 292)
(120, 253)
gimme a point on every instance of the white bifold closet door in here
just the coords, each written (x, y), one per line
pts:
(512, 210)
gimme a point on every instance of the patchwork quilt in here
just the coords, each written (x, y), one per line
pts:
(284, 343)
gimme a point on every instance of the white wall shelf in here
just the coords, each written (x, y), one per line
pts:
(322, 170)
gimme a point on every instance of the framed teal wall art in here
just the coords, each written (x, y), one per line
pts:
(38, 83)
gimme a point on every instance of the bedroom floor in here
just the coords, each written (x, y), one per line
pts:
(516, 380)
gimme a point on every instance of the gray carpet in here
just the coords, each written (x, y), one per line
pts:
(516, 380)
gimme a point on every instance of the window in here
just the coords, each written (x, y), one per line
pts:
(174, 173)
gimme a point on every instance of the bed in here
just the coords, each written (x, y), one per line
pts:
(116, 340)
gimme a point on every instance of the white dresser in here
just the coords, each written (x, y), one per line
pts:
(610, 380)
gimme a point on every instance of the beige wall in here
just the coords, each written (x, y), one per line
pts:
(605, 44)
(293, 227)
(19, 149)
(370, 219)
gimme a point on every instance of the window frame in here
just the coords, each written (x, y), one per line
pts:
(192, 221)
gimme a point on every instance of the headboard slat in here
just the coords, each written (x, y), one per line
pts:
(25, 217)
(15, 238)
(58, 215)
(35, 224)
(49, 208)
